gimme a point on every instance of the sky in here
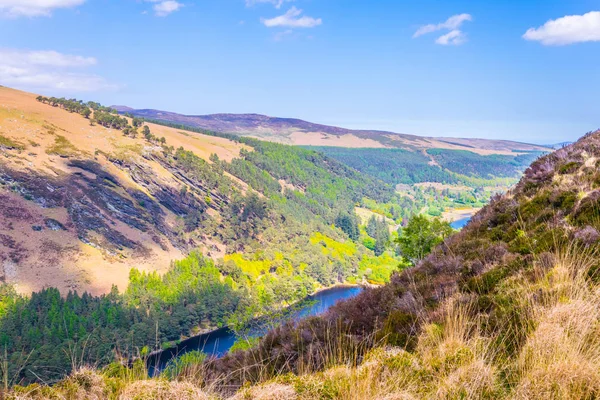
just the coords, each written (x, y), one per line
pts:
(526, 70)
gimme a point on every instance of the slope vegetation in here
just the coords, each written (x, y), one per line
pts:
(87, 197)
(91, 199)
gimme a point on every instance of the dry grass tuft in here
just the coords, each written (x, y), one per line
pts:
(561, 357)
(158, 389)
(270, 391)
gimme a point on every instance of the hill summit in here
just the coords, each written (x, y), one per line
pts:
(299, 132)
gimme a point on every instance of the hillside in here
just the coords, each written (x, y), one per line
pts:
(299, 132)
(506, 308)
(83, 204)
(440, 174)
(88, 202)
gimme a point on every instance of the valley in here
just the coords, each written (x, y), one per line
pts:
(299, 200)
(161, 232)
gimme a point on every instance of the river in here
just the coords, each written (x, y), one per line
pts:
(218, 342)
(460, 223)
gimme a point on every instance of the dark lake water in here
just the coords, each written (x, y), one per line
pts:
(460, 223)
(218, 343)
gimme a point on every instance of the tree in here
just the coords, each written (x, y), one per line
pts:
(348, 224)
(146, 132)
(421, 235)
(378, 229)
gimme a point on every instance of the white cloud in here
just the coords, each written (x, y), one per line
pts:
(292, 19)
(276, 3)
(567, 30)
(454, 37)
(49, 70)
(164, 8)
(34, 8)
(452, 23)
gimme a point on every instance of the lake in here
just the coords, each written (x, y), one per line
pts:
(217, 343)
(460, 223)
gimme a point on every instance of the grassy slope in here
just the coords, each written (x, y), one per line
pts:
(507, 308)
(135, 198)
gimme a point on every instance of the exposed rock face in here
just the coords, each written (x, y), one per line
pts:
(54, 225)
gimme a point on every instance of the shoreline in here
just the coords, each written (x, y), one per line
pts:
(459, 213)
(210, 331)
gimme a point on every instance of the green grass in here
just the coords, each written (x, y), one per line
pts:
(63, 148)
(10, 144)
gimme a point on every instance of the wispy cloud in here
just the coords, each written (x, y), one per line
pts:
(162, 8)
(279, 36)
(292, 19)
(454, 37)
(567, 30)
(45, 58)
(34, 8)
(48, 69)
(276, 3)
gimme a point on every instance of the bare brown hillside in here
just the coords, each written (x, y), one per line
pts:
(80, 204)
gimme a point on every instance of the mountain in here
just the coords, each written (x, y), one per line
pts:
(299, 132)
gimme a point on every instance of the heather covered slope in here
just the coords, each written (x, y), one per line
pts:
(80, 202)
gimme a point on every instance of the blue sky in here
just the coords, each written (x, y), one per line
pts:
(520, 69)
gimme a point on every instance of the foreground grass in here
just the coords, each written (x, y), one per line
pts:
(548, 349)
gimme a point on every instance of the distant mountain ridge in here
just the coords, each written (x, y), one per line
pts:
(299, 132)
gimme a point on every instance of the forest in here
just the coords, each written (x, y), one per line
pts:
(396, 166)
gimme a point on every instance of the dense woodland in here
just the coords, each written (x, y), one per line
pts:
(396, 166)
